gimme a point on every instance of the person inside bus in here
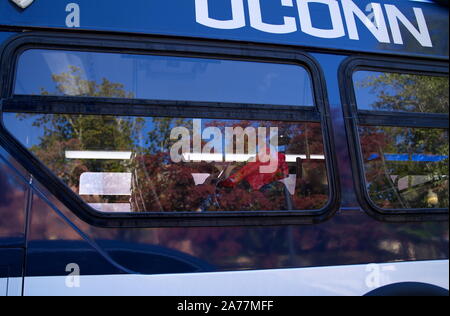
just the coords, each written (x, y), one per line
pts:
(251, 176)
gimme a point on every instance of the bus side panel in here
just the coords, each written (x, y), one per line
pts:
(13, 193)
(13, 201)
(11, 271)
(160, 17)
(56, 247)
(349, 238)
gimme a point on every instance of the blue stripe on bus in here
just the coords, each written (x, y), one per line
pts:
(406, 157)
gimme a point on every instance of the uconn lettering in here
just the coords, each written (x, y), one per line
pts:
(377, 18)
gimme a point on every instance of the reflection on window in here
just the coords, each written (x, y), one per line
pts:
(136, 164)
(384, 91)
(406, 168)
(65, 73)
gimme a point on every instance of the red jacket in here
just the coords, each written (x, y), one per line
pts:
(251, 173)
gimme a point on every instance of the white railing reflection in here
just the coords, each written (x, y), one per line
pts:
(111, 207)
(105, 183)
(101, 155)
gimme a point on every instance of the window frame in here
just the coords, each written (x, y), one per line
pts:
(355, 118)
(157, 108)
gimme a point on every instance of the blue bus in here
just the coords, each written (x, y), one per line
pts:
(224, 147)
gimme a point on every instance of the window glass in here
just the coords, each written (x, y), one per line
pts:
(406, 168)
(154, 164)
(396, 92)
(112, 75)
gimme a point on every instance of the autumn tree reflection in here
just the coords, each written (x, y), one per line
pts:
(298, 182)
(168, 186)
(405, 167)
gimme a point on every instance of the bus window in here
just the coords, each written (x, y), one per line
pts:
(405, 167)
(152, 77)
(396, 92)
(130, 164)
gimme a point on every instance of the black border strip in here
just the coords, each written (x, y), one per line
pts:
(403, 119)
(213, 49)
(355, 118)
(158, 108)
